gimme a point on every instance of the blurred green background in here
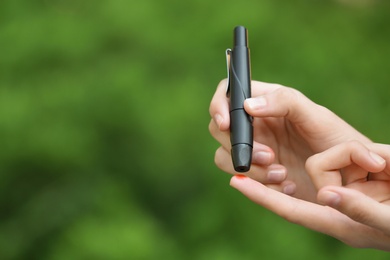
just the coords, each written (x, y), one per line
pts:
(105, 151)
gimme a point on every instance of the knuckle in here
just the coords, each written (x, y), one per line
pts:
(222, 83)
(294, 100)
(290, 93)
(311, 164)
(293, 214)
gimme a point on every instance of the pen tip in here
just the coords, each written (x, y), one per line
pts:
(242, 157)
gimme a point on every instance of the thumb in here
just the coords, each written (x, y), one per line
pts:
(283, 102)
(312, 121)
(357, 206)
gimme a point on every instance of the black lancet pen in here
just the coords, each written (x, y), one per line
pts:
(239, 89)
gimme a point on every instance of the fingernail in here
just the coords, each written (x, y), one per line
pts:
(262, 157)
(289, 189)
(276, 175)
(218, 119)
(256, 102)
(377, 158)
(329, 198)
(240, 176)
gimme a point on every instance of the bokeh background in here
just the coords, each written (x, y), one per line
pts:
(104, 144)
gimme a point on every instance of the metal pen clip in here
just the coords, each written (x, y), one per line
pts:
(228, 65)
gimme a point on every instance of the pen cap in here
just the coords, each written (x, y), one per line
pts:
(240, 36)
(240, 79)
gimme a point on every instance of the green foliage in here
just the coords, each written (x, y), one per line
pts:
(105, 152)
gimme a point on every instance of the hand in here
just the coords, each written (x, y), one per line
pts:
(359, 212)
(288, 128)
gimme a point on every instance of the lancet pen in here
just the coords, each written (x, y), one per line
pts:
(239, 89)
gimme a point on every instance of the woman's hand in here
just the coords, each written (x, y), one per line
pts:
(356, 207)
(288, 128)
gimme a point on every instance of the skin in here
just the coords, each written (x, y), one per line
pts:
(288, 128)
(314, 158)
(356, 213)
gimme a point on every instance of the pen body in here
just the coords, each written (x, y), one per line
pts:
(241, 130)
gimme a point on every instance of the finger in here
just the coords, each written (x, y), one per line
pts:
(282, 102)
(310, 119)
(274, 173)
(219, 107)
(324, 168)
(383, 150)
(357, 206)
(223, 137)
(307, 214)
(377, 190)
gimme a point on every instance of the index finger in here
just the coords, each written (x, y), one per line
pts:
(325, 168)
(219, 106)
(310, 215)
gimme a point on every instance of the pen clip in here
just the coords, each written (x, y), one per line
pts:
(228, 65)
